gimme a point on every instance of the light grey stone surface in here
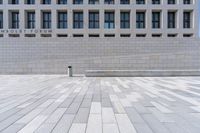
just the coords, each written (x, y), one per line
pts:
(136, 105)
(53, 55)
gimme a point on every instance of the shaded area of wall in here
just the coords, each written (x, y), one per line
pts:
(53, 55)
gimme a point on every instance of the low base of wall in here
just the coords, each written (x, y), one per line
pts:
(53, 55)
(141, 73)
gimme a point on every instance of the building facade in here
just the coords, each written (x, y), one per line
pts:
(99, 18)
(46, 36)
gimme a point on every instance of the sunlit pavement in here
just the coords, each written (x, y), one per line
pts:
(58, 104)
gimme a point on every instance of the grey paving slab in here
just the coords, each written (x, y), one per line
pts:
(53, 103)
(82, 115)
(64, 124)
(13, 128)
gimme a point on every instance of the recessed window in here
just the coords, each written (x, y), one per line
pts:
(93, 35)
(109, 2)
(30, 20)
(46, 35)
(171, 1)
(187, 19)
(1, 35)
(78, 19)
(77, 1)
(124, 1)
(30, 2)
(125, 20)
(125, 35)
(1, 20)
(156, 35)
(140, 1)
(14, 19)
(30, 35)
(172, 19)
(46, 2)
(93, 1)
(14, 35)
(109, 20)
(172, 35)
(187, 35)
(155, 2)
(140, 35)
(109, 35)
(62, 1)
(62, 20)
(62, 35)
(13, 1)
(140, 20)
(187, 2)
(78, 35)
(93, 19)
(155, 20)
(1, 1)
(46, 20)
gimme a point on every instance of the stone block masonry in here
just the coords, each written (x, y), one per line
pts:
(53, 55)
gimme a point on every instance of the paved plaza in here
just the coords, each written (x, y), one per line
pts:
(58, 104)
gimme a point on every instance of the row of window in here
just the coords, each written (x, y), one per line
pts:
(97, 35)
(94, 19)
(96, 1)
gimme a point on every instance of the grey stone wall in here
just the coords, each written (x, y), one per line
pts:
(53, 55)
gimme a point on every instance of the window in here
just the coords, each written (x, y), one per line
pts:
(93, 20)
(109, 2)
(46, 24)
(93, 35)
(30, 35)
(1, 1)
(78, 20)
(124, 1)
(78, 35)
(93, 1)
(62, 20)
(125, 20)
(186, 19)
(62, 1)
(77, 1)
(14, 35)
(62, 35)
(186, 1)
(156, 35)
(187, 35)
(125, 35)
(30, 2)
(46, 1)
(140, 35)
(172, 35)
(1, 20)
(140, 20)
(13, 2)
(109, 20)
(46, 35)
(109, 35)
(14, 20)
(155, 20)
(155, 1)
(140, 1)
(171, 1)
(30, 20)
(171, 19)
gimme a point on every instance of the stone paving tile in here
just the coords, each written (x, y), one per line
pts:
(58, 104)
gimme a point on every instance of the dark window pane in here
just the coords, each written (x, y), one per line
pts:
(109, 20)
(78, 20)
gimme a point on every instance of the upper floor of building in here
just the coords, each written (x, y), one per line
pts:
(104, 18)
